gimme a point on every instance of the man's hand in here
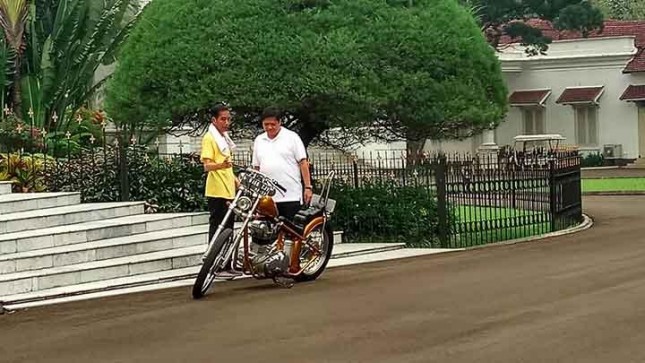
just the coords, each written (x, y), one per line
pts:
(307, 196)
(226, 164)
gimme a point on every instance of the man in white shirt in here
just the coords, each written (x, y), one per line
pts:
(280, 153)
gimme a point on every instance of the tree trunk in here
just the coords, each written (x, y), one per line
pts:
(414, 148)
(308, 134)
(310, 127)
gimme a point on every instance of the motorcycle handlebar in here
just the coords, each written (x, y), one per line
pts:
(279, 186)
(251, 170)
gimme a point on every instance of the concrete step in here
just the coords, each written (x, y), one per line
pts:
(5, 187)
(183, 276)
(104, 249)
(96, 230)
(26, 281)
(22, 202)
(58, 216)
(128, 245)
(48, 278)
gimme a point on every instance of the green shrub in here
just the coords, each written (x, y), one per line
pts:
(167, 184)
(26, 171)
(387, 212)
(592, 160)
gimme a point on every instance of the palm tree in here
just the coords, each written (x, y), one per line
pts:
(51, 51)
(68, 40)
(13, 17)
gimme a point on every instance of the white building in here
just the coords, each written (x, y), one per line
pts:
(590, 90)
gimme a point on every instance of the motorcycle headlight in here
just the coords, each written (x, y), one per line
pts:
(244, 204)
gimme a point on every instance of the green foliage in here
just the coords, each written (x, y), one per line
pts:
(622, 9)
(591, 160)
(24, 170)
(86, 129)
(500, 18)
(167, 184)
(53, 72)
(407, 69)
(386, 211)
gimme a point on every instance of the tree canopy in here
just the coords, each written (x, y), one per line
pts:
(499, 18)
(622, 9)
(392, 68)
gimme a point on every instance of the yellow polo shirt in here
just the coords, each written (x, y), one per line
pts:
(219, 183)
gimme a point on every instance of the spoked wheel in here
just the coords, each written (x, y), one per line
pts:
(323, 240)
(212, 263)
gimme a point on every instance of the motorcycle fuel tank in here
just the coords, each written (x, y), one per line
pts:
(267, 207)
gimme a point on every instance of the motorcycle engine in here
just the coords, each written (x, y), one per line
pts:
(269, 264)
(262, 232)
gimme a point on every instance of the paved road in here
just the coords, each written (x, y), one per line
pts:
(579, 298)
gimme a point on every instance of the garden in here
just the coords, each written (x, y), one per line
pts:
(89, 85)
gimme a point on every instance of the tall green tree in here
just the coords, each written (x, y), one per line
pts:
(510, 18)
(391, 69)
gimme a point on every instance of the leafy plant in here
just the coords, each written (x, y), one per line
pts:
(25, 171)
(166, 183)
(83, 132)
(388, 212)
(591, 160)
(51, 54)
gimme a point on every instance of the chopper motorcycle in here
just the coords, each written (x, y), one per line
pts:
(266, 245)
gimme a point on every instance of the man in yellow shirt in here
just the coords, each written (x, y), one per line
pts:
(217, 148)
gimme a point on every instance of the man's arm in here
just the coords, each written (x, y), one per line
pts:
(210, 165)
(255, 161)
(304, 171)
(306, 178)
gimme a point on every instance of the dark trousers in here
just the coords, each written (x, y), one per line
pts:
(218, 208)
(288, 209)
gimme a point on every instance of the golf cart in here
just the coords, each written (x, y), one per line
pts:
(535, 150)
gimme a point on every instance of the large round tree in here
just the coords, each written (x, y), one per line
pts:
(391, 68)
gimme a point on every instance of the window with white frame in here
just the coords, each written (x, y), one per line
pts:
(586, 125)
(533, 119)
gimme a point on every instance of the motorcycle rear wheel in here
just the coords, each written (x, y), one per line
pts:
(214, 261)
(326, 245)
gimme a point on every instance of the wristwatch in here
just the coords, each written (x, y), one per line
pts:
(309, 187)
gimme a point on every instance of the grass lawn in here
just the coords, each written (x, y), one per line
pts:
(613, 185)
(492, 225)
(472, 213)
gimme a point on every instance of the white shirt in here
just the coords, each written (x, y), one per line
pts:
(280, 159)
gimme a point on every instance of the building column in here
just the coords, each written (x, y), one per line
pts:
(488, 150)
(489, 141)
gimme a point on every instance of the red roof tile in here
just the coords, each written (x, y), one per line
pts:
(527, 98)
(580, 95)
(637, 64)
(612, 28)
(634, 93)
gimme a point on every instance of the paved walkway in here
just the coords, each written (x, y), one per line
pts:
(576, 298)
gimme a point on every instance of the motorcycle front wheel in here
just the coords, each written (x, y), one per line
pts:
(213, 261)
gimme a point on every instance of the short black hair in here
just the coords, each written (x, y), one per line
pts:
(270, 112)
(216, 109)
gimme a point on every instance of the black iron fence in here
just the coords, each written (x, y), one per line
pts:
(435, 200)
